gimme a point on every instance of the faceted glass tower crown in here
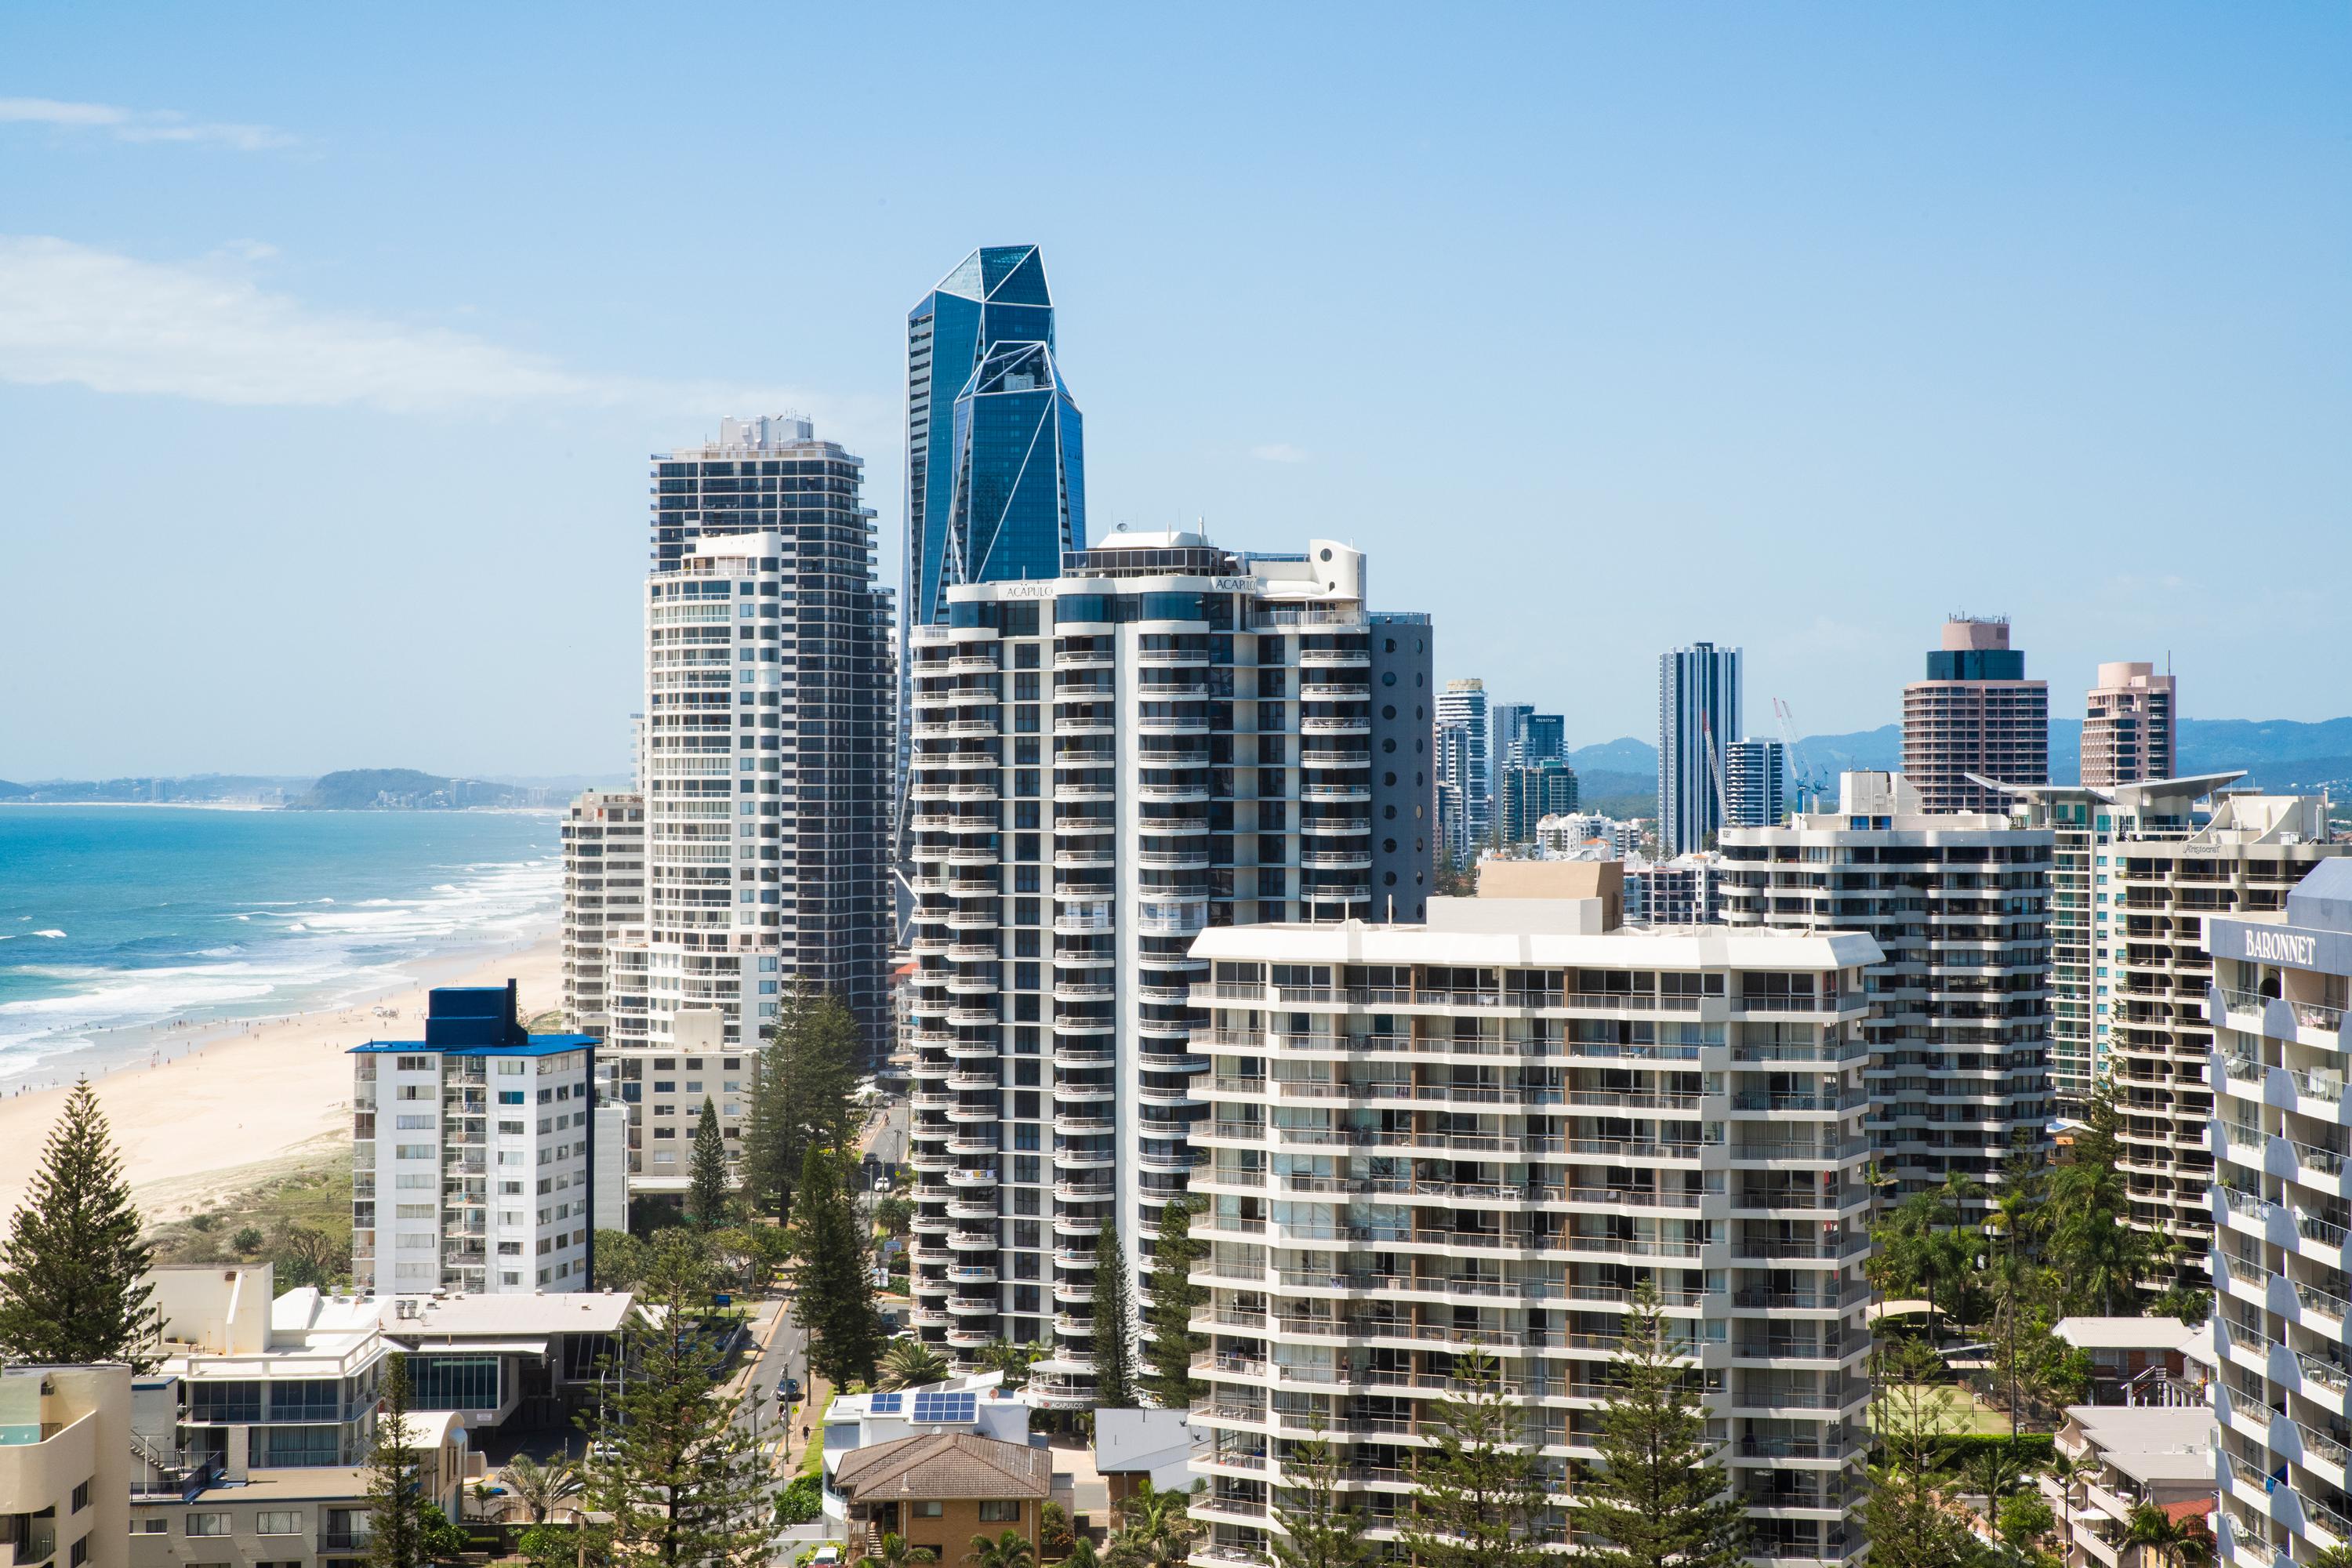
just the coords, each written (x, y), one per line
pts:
(996, 486)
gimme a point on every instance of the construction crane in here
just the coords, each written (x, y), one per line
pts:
(1800, 773)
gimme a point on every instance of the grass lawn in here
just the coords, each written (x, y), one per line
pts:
(1972, 1415)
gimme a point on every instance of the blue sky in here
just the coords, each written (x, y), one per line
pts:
(332, 344)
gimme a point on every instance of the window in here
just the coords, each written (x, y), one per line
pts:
(150, 1526)
(283, 1521)
(80, 1498)
(999, 1510)
(207, 1524)
(930, 1509)
(80, 1552)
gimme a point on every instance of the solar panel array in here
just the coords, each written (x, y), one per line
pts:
(883, 1404)
(936, 1406)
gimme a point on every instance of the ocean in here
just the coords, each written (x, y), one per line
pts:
(116, 919)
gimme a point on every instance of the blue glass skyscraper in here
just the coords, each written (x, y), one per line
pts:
(995, 475)
(996, 486)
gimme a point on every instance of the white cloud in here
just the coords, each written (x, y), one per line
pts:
(1278, 452)
(71, 314)
(141, 124)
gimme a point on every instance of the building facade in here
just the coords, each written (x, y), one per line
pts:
(1753, 773)
(66, 1470)
(1171, 738)
(1530, 792)
(472, 1153)
(603, 899)
(1466, 761)
(1957, 904)
(1480, 1135)
(1581, 836)
(2281, 1136)
(1506, 737)
(2129, 726)
(1686, 890)
(1698, 714)
(995, 465)
(660, 1091)
(2159, 868)
(1976, 714)
(767, 748)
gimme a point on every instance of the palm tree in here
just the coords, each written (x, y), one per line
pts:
(1010, 1550)
(2065, 1470)
(2176, 1542)
(1155, 1530)
(897, 1553)
(543, 1488)
(910, 1364)
(1083, 1554)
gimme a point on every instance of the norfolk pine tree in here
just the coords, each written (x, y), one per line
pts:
(1321, 1528)
(834, 1275)
(395, 1504)
(1657, 1497)
(1114, 1321)
(682, 1480)
(72, 1285)
(1480, 1489)
(706, 1198)
(800, 1098)
(1174, 1298)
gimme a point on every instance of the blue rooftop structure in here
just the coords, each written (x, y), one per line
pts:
(479, 1021)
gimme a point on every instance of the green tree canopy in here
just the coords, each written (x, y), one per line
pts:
(72, 1273)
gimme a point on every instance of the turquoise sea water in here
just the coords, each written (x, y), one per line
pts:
(117, 919)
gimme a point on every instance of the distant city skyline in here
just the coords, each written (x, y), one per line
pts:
(1492, 305)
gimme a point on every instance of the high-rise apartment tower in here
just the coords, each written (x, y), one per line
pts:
(2149, 871)
(766, 754)
(604, 836)
(1467, 760)
(1975, 713)
(2128, 726)
(1698, 715)
(1171, 737)
(2282, 1297)
(1483, 1136)
(1959, 903)
(995, 455)
(1753, 771)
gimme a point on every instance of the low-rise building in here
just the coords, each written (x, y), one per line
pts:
(530, 1360)
(1133, 1447)
(974, 1403)
(66, 1463)
(2137, 1361)
(2132, 1455)
(940, 1489)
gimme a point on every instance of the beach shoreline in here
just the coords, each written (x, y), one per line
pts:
(205, 1106)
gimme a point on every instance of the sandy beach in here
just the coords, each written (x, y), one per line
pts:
(247, 1101)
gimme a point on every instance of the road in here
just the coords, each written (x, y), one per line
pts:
(782, 1353)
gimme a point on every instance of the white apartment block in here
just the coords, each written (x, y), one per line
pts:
(472, 1153)
(1579, 836)
(604, 898)
(1465, 762)
(1958, 904)
(1483, 1134)
(1686, 890)
(764, 754)
(2156, 860)
(65, 1467)
(661, 1090)
(1168, 737)
(2282, 1194)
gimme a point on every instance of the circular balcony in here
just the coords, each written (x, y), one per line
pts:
(971, 1178)
(972, 920)
(1082, 1092)
(990, 1113)
(1083, 1193)
(1073, 1058)
(1335, 759)
(973, 1208)
(1077, 1224)
(966, 1141)
(1084, 989)
(1083, 1159)
(1086, 1026)
(1074, 1291)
